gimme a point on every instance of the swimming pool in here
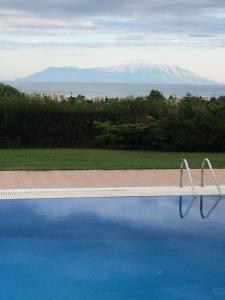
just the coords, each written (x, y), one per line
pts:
(126, 248)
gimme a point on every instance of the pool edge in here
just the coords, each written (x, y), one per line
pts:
(10, 194)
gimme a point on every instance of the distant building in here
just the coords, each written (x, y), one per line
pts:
(97, 99)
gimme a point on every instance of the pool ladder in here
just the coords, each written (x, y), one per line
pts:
(184, 165)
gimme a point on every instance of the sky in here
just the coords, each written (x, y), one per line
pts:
(87, 33)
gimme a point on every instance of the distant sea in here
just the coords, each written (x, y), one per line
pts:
(118, 90)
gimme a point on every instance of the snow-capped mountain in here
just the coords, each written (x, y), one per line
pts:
(132, 73)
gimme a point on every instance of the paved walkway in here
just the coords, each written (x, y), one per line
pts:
(88, 179)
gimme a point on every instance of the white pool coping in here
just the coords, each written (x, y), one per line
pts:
(10, 194)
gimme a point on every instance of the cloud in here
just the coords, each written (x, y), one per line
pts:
(123, 41)
(180, 22)
(116, 7)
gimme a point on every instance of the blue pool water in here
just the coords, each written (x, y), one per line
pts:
(112, 249)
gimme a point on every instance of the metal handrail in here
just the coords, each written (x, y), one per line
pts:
(207, 161)
(183, 214)
(184, 163)
(208, 214)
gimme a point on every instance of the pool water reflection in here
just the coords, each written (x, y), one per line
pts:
(112, 248)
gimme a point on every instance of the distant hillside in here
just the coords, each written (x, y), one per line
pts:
(134, 73)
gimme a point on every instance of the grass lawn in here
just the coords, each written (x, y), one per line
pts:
(89, 159)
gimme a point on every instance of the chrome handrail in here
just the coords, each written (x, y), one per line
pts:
(207, 161)
(184, 163)
(208, 214)
(183, 214)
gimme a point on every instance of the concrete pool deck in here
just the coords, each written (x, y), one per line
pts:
(100, 179)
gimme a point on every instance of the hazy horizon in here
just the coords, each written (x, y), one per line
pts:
(92, 33)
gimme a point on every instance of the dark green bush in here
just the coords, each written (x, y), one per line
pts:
(151, 123)
(148, 135)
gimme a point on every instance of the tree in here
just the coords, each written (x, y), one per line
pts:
(7, 90)
(156, 95)
(79, 98)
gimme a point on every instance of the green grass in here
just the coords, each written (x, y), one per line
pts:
(89, 159)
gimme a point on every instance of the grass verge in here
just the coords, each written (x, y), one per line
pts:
(90, 159)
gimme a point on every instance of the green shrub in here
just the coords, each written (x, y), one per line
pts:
(148, 135)
(152, 122)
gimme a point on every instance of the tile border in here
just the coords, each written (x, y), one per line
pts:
(11, 194)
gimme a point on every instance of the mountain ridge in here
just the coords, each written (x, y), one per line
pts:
(125, 73)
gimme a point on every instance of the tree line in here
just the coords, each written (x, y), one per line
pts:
(153, 122)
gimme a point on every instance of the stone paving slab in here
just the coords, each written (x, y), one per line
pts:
(100, 178)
